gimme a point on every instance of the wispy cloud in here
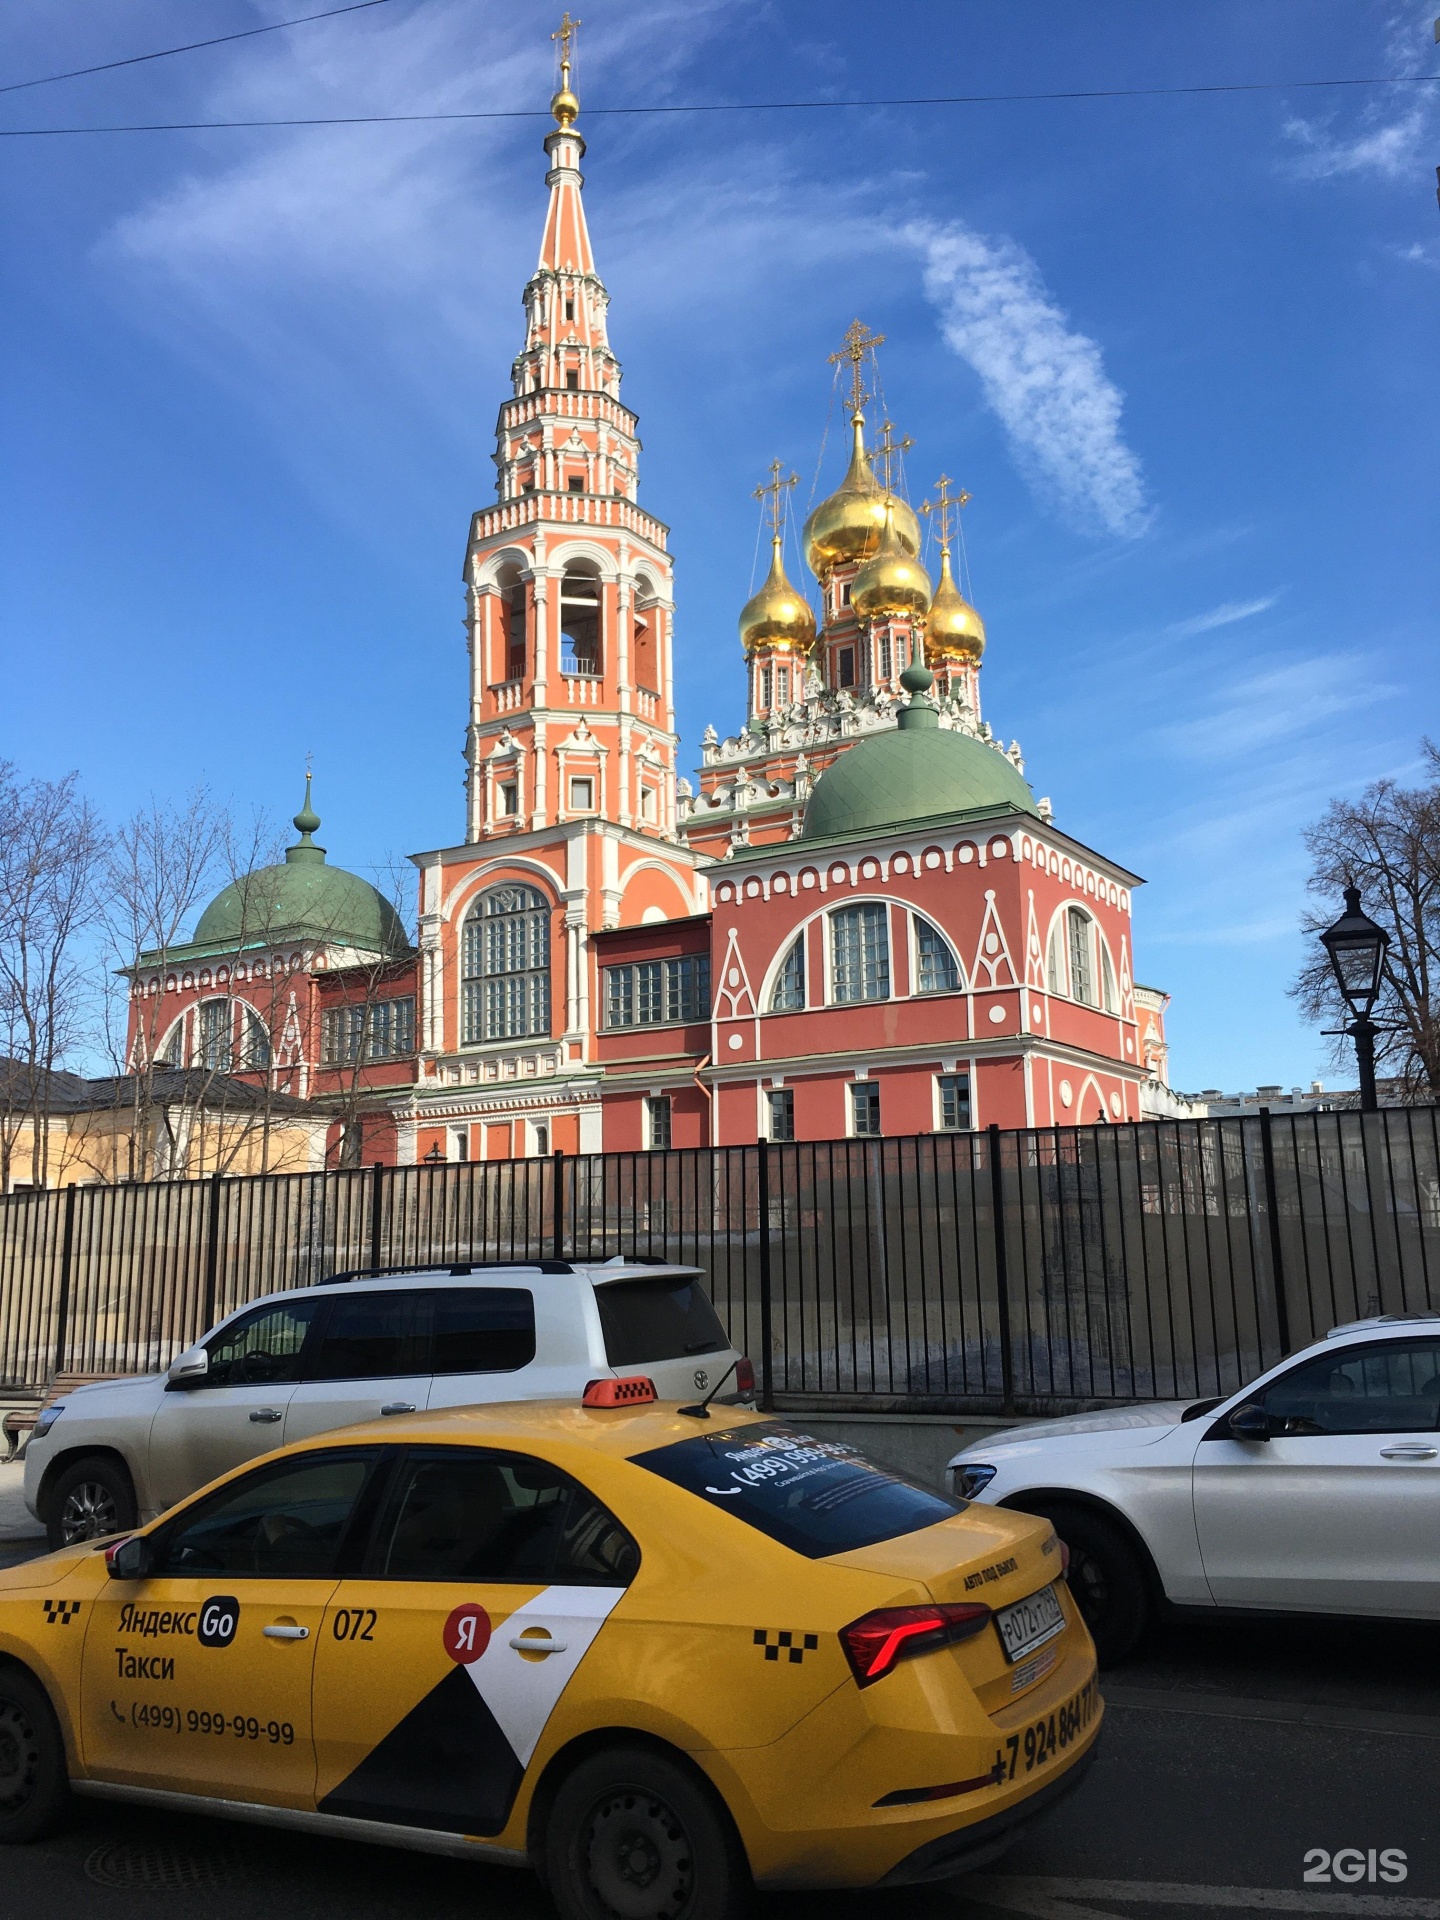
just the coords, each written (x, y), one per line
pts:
(1222, 616)
(1046, 381)
(1261, 710)
(1381, 140)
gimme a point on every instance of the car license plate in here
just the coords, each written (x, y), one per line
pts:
(1030, 1623)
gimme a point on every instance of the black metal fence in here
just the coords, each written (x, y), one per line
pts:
(1041, 1269)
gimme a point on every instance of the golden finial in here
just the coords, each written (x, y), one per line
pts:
(857, 344)
(947, 507)
(775, 493)
(886, 449)
(565, 106)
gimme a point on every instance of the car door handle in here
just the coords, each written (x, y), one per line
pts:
(266, 1416)
(399, 1406)
(286, 1633)
(533, 1643)
(1407, 1453)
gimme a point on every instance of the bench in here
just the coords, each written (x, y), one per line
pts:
(19, 1423)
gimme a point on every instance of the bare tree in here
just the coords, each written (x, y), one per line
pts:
(52, 846)
(1386, 843)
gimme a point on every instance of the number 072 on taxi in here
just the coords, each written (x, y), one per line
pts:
(663, 1654)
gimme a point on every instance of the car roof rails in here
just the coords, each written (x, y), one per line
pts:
(1381, 1320)
(458, 1271)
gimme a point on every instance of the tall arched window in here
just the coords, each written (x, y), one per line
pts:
(859, 954)
(226, 1036)
(512, 598)
(936, 968)
(1079, 962)
(788, 993)
(579, 622)
(505, 966)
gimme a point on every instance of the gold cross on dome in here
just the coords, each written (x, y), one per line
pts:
(888, 449)
(564, 33)
(775, 494)
(947, 507)
(857, 344)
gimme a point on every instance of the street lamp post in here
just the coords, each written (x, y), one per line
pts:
(1356, 947)
(436, 1156)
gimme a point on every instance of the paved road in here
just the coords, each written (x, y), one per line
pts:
(1229, 1753)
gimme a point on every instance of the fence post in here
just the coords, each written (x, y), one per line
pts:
(1272, 1214)
(212, 1250)
(67, 1250)
(767, 1368)
(377, 1213)
(557, 1207)
(1002, 1270)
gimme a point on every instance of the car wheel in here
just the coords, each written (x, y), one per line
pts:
(633, 1835)
(1107, 1579)
(89, 1500)
(34, 1779)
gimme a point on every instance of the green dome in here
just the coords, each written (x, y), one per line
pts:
(918, 771)
(302, 899)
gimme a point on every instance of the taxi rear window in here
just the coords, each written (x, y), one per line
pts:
(815, 1496)
(667, 1318)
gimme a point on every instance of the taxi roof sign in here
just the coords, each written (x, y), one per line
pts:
(634, 1390)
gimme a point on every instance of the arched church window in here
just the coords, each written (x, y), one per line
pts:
(936, 968)
(647, 669)
(505, 966)
(1080, 941)
(859, 954)
(513, 597)
(1109, 998)
(579, 622)
(788, 993)
(228, 1036)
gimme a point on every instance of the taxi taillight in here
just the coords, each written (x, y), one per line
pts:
(878, 1641)
(632, 1391)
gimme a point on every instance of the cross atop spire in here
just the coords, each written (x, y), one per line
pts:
(565, 106)
(888, 450)
(858, 345)
(774, 496)
(947, 507)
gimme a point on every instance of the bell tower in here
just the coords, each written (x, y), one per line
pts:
(568, 579)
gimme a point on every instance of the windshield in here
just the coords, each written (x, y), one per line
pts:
(815, 1496)
(666, 1318)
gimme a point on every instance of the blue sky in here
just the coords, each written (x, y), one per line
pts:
(1182, 351)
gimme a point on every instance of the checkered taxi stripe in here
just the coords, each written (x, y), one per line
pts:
(794, 1646)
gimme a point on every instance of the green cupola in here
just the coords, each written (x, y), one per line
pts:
(302, 899)
(920, 771)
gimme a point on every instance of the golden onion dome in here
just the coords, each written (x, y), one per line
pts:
(954, 630)
(891, 581)
(846, 528)
(777, 616)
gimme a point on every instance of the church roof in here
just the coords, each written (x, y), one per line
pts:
(302, 898)
(918, 771)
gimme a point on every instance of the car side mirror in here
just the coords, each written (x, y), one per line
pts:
(132, 1559)
(188, 1369)
(1250, 1422)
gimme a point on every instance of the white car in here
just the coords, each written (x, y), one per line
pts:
(110, 1456)
(1315, 1490)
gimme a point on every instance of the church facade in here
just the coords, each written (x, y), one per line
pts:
(860, 921)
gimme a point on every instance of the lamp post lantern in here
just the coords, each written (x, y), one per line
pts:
(436, 1156)
(1356, 947)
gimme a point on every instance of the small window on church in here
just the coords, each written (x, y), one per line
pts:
(569, 309)
(582, 795)
(845, 596)
(572, 382)
(845, 666)
(576, 483)
(509, 799)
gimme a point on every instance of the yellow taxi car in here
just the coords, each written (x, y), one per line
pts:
(659, 1655)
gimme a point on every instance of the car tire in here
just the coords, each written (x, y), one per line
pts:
(34, 1777)
(1107, 1578)
(634, 1835)
(89, 1500)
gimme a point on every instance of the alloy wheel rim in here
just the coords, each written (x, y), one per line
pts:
(19, 1757)
(638, 1856)
(1087, 1581)
(89, 1513)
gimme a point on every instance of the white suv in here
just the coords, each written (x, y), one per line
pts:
(112, 1455)
(1315, 1489)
